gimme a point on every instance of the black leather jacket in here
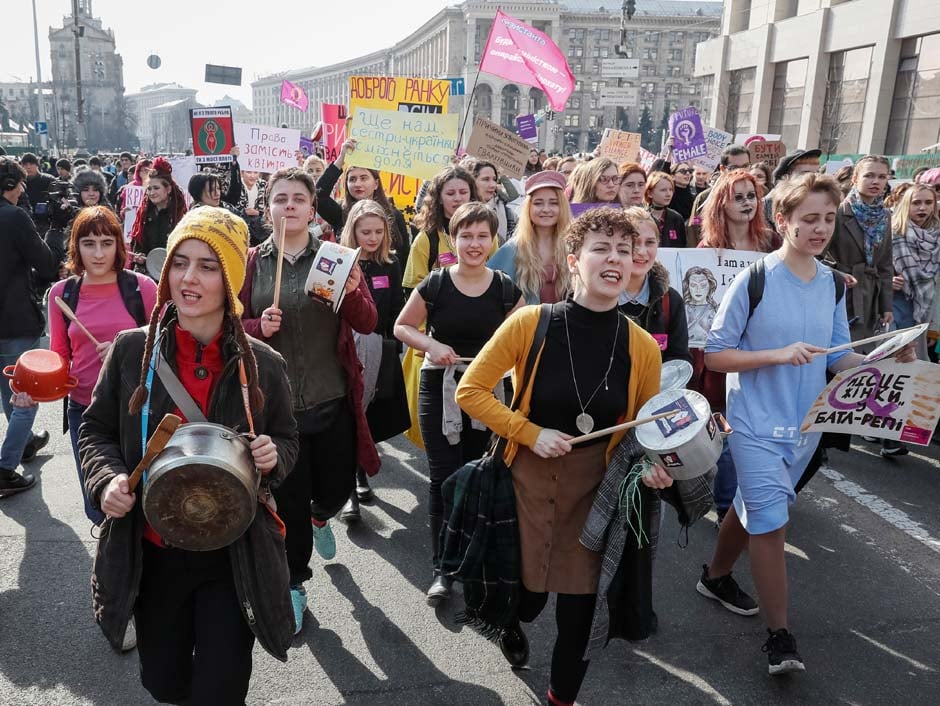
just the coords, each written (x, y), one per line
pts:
(110, 444)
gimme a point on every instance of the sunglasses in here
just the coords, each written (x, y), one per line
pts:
(742, 198)
(615, 179)
(683, 171)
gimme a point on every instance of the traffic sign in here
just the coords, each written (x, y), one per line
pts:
(42, 127)
(620, 68)
(457, 86)
(619, 96)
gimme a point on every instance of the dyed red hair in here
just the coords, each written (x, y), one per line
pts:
(163, 171)
(714, 223)
(95, 220)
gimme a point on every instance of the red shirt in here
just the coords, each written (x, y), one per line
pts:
(198, 367)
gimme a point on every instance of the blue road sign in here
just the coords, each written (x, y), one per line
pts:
(457, 86)
(42, 127)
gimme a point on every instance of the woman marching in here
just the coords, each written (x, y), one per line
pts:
(197, 613)
(597, 181)
(487, 179)
(535, 257)
(324, 370)
(632, 185)
(660, 187)
(777, 354)
(158, 215)
(648, 299)
(107, 299)
(596, 368)
(462, 306)
(383, 396)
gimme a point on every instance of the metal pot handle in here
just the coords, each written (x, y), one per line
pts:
(724, 429)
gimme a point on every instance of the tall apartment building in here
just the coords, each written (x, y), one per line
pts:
(663, 35)
(102, 82)
(156, 114)
(847, 76)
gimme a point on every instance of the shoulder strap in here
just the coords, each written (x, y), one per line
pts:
(545, 317)
(839, 281)
(431, 292)
(434, 245)
(509, 291)
(755, 286)
(184, 401)
(132, 297)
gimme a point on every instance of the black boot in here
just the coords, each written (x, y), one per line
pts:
(36, 442)
(363, 489)
(350, 513)
(440, 587)
(12, 482)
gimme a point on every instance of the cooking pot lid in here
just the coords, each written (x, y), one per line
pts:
(672, 432)
(896, 343)
(675, 375)
(155, 260)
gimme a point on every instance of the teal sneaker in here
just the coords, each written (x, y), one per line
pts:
(324, 541)
(298, 599)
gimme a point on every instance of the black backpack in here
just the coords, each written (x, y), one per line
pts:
(755, 285)
(436, 280)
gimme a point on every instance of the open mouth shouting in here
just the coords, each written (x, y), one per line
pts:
(612, 276)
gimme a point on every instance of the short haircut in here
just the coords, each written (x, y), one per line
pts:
(198, 183)
(94, 162)
(29, 158)
(471, 213)
(126, 155)
(598, 220)
(733, 151)
(294, 174)
(64, 164)
(311, 160)
(628, 168)
(96, 220)
(792, 192)
(652, 181)
(9, 169)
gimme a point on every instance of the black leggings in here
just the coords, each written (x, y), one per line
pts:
(573, 616)
(444, 459)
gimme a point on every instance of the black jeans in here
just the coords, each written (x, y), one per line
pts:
(444, 459)
(318, 485)
(193, 642)
(573, 616)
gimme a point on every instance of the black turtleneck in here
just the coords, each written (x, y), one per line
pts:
(554, 401)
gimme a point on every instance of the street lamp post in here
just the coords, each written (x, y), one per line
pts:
(627, 10)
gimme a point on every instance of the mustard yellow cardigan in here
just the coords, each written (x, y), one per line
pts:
(508, 349)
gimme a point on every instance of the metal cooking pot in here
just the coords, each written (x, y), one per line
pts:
(201, 491)
(688, 444)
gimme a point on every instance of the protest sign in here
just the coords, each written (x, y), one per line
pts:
(646, 159)
(326, 281)
(334, 117)
(688, 138)
(403, 143)
(746, 138)
(834, 165)
(423, 95)
(133, 198)
(886, 399)
(213, 135)
(578, 208)
(770, 152)
(502, 147)
(183, 170)
(620, 146)
(526, 129)
(715, 141)
(702, 276)
(266, 149)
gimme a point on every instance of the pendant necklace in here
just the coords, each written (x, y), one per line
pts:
(584, 421)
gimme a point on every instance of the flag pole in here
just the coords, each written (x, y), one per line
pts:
(469, 105)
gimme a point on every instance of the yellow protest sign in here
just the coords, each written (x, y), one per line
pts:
(414, 144)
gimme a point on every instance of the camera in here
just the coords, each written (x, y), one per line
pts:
(60, 206)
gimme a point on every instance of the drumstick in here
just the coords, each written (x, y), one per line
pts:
(622, 427)
(243, 379)
(66, 309)
(464, 360)
(168, 425)
(870, 339)
(280, 263)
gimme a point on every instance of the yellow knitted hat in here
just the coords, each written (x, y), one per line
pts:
(226, 234)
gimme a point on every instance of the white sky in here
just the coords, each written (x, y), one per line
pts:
(261, 36)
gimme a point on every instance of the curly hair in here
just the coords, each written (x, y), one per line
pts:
(609, 221)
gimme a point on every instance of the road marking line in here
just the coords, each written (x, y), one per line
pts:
(884, 510)
(686, 676)
(910, 454)
(894, 653)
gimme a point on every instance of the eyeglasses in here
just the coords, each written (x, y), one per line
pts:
(742, 198)
(683, 171)
(615, 179)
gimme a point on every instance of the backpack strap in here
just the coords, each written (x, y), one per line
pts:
(132, 297)
(755, 286)
(839, 280)
(435, 281)
(70, 294)
(509, 291)
(433, 250)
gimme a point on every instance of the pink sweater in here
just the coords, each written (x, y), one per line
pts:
(102, 311)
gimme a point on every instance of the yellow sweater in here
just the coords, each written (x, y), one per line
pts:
(508, 350)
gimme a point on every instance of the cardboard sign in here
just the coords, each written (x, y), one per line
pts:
(620, 146)
(688, 137)
(334, 118)
(183, 170)
(646, 159)
(403, 143)
(769, 152)
(326, 282)
(496, 144)
(887, 400)
(133, 198)
(526, 129)
(702, 276)
(213, 134)
(266, 149)
(715, 142)
(424, 95)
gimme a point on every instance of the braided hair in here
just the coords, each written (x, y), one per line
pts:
(177, 203)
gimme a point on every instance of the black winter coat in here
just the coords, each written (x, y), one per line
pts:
(110, 444)
(674, 332)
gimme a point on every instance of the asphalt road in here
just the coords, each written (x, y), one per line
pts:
(864, 566)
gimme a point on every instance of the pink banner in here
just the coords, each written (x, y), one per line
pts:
(294, 95)
(517, 52)
(333, 116)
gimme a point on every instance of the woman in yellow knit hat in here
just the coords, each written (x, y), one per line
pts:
(197, 613)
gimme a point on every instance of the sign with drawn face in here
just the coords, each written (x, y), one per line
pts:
(885, 399)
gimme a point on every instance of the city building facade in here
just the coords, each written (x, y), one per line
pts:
(847, 76)
(662, 35)
(102, 79)
(154, 114)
